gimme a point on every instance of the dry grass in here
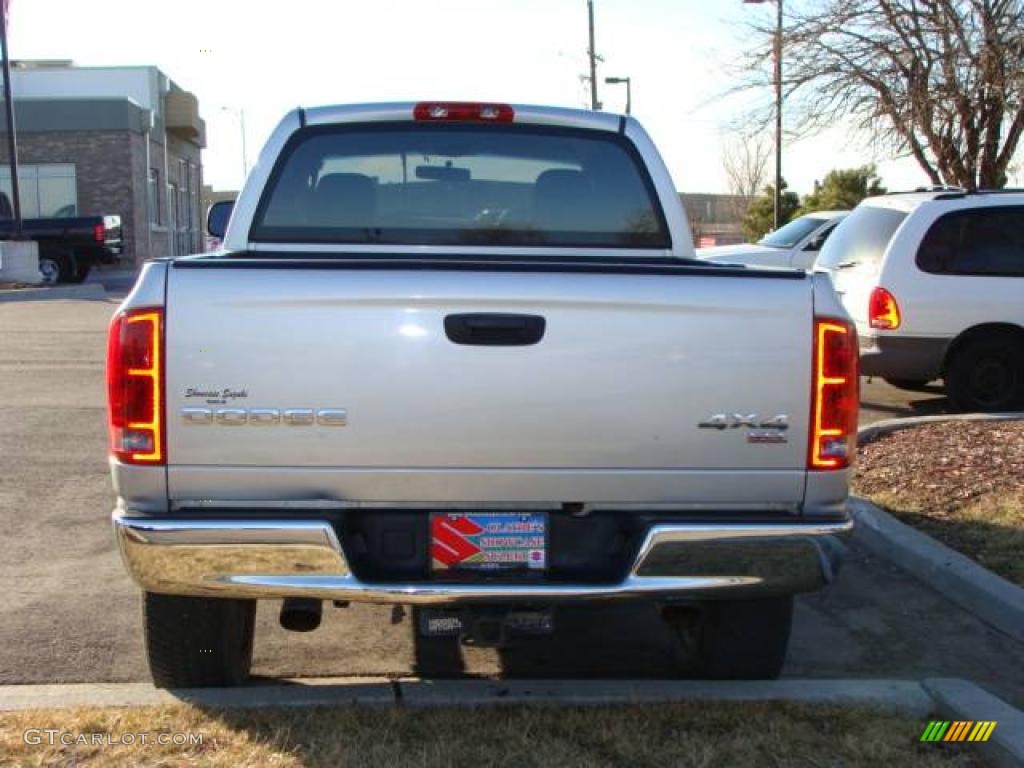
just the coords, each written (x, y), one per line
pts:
(989, 530)
(739, 735)
(961, 482)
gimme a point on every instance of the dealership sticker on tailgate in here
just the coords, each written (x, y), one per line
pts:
(488, 540)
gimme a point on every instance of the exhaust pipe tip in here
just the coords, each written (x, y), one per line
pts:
(301, 614)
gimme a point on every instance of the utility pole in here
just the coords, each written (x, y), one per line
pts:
(594, 103)
(777, 57)
(778, 117)
(12, 142)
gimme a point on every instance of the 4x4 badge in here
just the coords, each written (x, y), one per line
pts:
(750, 420)
(762, 431)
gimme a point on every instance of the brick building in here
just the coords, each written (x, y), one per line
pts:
(110, 140)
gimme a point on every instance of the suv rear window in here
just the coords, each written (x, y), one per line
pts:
(977, 241)
(861, 238)
(409, 183)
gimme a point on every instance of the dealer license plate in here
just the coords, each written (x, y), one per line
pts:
(488, 541)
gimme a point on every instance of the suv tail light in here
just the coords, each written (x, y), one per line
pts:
(135, 386)
(99, 233)
(463, 111)
(883, 311)
(835, 395)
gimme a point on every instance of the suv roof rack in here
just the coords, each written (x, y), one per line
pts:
(1003, 191)
(958, 193)
(970, 192)
(934, 188)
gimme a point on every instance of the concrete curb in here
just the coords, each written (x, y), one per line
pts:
(892, 695)
(84, 291)
(872, 431)
(281, 693)
(974, 588)
(906, 697)
(962, 700)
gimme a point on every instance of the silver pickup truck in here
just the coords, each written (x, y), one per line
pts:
(460, 357)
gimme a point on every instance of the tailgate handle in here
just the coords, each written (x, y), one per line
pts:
(495, 330)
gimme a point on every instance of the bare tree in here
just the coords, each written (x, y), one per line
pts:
(940, 80)
(745, 160)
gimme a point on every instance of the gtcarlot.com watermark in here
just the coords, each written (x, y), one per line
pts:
(57, 737)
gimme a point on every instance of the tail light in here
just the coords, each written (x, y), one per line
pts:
(883, 311)
(463, 112)
(135, 386)
(835, 395)
(99, 233)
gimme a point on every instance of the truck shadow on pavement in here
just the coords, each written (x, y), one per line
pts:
(932, 406)
(880, 400)
(612, 641)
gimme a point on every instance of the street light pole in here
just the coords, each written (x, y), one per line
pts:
(241, 121)
(627, 82)
(12, 141)
(245, 157)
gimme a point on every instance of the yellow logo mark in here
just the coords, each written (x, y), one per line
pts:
(958, 730)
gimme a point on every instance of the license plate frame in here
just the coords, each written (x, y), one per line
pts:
(488, 542)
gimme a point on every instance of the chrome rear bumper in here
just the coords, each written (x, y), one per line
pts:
(304, 558)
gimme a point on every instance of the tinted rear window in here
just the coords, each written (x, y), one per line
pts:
(982, 241)
(414, 183)
(861, 238)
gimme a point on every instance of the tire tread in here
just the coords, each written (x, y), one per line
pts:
(960, 364)
(198, 642)
(745, 639)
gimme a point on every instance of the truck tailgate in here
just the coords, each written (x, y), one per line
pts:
(607, 405)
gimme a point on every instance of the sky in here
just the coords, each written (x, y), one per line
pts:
(265, 58)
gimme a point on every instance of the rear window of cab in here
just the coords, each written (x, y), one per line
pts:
(432, 184)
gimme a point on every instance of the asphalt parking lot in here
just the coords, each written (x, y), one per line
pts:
(70, 614)
(880, 401)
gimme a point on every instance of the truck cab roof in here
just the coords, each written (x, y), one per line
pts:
(407, 111)
(569, 159)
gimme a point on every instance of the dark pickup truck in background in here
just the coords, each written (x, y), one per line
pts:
(69, 246)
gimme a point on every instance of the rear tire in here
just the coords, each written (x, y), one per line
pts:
(56, 266)
(198, 642)
(745, 639)
(82, 270)
(909, 385)
(987, 374)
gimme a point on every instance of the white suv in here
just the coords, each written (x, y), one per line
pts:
(935, 283)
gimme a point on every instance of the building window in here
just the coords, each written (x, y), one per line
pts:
(193, 207)
(189, 189)
(46, 190)
(184, 221)
(153, 198)
(174, 220)
(190, 225)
